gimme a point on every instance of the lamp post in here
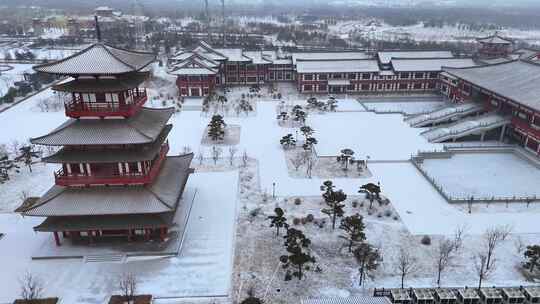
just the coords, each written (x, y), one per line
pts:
(273, 190)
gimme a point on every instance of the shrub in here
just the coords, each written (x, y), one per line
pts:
(296, 221)
(297, 201)
(379, 214)
(426, 240)
(396, 217)
(355, 204)
(310, 218)
(304, 220)
(362, 205)
(255, 212)
(388, 212)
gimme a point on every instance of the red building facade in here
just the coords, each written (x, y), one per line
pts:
(502, 89)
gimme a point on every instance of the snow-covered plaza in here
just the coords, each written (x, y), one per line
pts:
(232, 203)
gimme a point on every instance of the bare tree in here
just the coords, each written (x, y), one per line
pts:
(297, 160)
(232, 152)
(216, 154)
(128, 287)
(31, 288)
(245, 159)
(444, 257)
(459, 235)
(493, 237)
(200, 157)
(484, 267)
(406, 264)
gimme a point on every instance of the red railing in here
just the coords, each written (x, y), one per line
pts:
(113, 178)
(78, 108)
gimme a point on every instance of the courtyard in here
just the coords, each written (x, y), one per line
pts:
(227, 237)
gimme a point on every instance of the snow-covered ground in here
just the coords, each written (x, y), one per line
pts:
(496, 174)
(381, 137)
(202, 268)
(205, 258)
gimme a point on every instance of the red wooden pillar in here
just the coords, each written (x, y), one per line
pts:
(162, 234)
(129, 235)
(91, 236)
(57, 238)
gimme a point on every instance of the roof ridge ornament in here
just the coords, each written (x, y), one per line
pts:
(98, 31)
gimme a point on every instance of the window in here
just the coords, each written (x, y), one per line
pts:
(523, 116)
(417, 86)
(365, 87)
(250, 67)
(288, 76)
(404, 75)
(352, 76)
(336, 76)
(323, 76)
(111, 97)
(402, 86)
(350, 87)
(308, 76)
(323, 87)
(494, 102)
(261, 78)
(433, 75)
(308, 87)
(251, 79)
(366, 76)
(231, 79)
(418, 75)
(88, 97)
(206, 91)
(272, 76)
(231, 67)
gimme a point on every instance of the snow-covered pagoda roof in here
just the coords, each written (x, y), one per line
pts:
(194, 65)
(429, 64)
(495, 39)
(258, 57)
(337, 66)
(515, 80)
(352, 300)
(141, 128)
(161, 196)
(235, 55)
(99, 59)
(386, 56)
(133, 154)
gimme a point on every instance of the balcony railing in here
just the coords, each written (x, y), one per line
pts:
(62, 178)
(78, 108)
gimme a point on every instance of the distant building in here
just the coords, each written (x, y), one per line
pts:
(104, 11)
(202, 68)
(495, 46)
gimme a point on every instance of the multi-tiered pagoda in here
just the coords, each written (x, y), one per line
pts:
(115, 177)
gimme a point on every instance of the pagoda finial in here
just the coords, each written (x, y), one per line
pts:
(98, 31)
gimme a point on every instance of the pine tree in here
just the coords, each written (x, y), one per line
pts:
(345, 158)
(278, 220)
(216, 128)
(26, 154)
(333, 200)
(288, 141)
(353, 226)
(297, 246)
(532, 254)
(368, 259)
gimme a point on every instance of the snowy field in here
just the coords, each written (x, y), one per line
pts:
(381, 137)
(495, 174)
(202, 268)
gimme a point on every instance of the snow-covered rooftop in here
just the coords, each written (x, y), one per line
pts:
(337, 66)
(234, 55)
(386, 57)
(430, 65)
(144, 127)
(99, 59)
(495, 39)
(329, 56)
(515, 80)
(355, 300)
